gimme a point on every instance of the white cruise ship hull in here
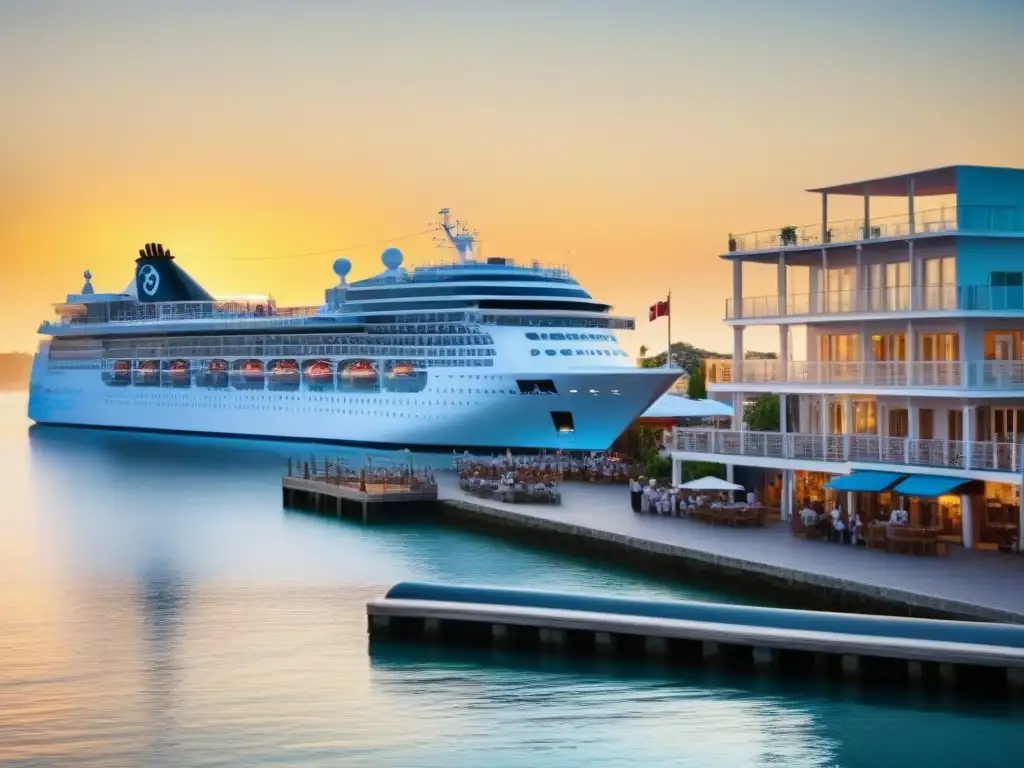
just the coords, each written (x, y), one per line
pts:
(456, 410)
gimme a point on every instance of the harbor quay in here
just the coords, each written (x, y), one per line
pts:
(768, 562)
(872, 649)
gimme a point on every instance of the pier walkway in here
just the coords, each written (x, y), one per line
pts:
(967, 583)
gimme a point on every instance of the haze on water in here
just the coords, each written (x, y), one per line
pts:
(160, 608)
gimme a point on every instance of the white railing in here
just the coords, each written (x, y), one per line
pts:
(117, 313)
(879, 449)
(923, 374)
(924, 298)
(954, 218)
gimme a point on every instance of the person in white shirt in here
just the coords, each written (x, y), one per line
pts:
(855, 528)
(837, 525)
(634, 494)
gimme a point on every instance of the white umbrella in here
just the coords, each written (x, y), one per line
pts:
(710, 483)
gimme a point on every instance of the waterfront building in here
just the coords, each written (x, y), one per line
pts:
(910, 384)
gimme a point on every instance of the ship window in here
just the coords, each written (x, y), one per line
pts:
(550, 352)
(566, 352)
(536, 387)
(563, 421)
(558, 337)
(580, 352)
(533, 336)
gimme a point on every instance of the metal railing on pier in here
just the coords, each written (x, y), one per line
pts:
(843, 448)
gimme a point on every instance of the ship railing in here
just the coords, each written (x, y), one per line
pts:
(375, 475)
(158, 312)
(507, 267)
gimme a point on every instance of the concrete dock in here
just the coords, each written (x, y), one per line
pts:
(871, 648)
(597, 520)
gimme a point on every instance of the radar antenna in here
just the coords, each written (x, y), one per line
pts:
(461, 239)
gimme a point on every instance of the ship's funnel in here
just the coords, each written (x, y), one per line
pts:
(158, 278)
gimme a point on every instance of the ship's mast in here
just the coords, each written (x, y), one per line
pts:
(462, 240)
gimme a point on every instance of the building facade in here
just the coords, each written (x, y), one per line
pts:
(901, 354)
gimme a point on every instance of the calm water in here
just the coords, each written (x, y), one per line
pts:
(158, 608)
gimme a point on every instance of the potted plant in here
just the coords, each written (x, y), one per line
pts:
(876, 232)
(732, 243)
(787, 236)
(828, 235)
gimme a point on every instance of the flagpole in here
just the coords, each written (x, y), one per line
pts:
(668, 352)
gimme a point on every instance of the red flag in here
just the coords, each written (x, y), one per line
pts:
(661, 309)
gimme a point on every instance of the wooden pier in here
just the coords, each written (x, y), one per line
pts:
(367, 494)
(866, 648)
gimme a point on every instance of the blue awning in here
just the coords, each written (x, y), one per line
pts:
(869, 482)
(929, 486)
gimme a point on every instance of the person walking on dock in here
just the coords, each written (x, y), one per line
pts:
(634, 494)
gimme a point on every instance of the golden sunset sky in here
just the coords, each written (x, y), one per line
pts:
(624, 139)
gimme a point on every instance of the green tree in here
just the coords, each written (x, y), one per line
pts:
(693, 470)
(695, 387)
(762, 414)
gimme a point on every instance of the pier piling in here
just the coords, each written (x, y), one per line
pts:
(865, 649)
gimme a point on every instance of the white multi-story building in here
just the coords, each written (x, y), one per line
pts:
(911, 382)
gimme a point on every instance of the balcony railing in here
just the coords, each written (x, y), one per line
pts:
(869, 449)
(926, 298)
(952, 374)
(956, 218)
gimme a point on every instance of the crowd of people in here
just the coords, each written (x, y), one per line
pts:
(516, 487)
(596, 468)
(651, 497)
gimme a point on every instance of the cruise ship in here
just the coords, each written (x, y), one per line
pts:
(475, 353)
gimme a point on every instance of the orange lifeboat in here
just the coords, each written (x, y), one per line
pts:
(361, 369)
(251, 370)
(403, 369)
(319, 370)
(178, 368)
(121, 372)
(217, 373)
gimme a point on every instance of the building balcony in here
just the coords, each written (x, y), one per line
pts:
(992, 375)
(844, 449)
(972, 219)
(927, 298)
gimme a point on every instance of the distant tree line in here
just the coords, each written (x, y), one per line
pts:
(15, 368)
